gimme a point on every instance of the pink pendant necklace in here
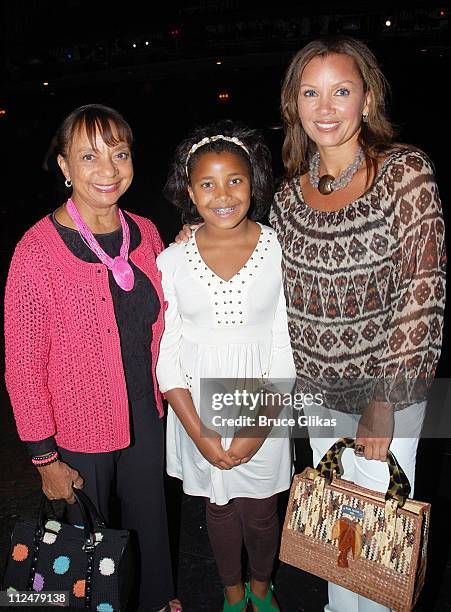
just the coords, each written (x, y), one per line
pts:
(119, 266)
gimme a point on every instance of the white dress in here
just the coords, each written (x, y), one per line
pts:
(234, 329)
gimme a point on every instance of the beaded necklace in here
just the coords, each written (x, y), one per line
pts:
(119, 266)
(327, 183)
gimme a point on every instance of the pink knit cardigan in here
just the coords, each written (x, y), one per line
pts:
(64, 370)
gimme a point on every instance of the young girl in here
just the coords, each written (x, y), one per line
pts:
(226, 318)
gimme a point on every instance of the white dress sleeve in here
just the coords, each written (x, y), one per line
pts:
(282, 362)
(169, 372)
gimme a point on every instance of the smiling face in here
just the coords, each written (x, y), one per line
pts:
(331, 100)
(99, 174)
(220, 188)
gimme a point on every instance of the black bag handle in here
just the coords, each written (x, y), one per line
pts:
(91, 517)
(84, 500)
(399, 487)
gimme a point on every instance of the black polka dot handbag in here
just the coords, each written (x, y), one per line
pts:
(92, 564)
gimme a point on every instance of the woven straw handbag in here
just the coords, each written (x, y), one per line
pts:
(371, 543)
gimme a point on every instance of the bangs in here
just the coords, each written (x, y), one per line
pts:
(110, 132)
(98, 121)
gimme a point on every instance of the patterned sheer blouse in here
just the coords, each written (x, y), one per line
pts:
(365, 286)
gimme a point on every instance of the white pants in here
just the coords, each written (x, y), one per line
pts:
(368, 473)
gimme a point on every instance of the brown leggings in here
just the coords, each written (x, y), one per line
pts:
(255, 521)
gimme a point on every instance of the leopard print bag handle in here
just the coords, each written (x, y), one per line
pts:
(330, 465)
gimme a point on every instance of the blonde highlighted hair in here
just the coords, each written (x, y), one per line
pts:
(375, 137)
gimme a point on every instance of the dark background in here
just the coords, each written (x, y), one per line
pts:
(84, 52)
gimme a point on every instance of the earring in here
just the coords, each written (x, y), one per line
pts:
(365, 117)
(68, 183)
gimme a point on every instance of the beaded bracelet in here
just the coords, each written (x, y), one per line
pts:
(47, 462)
(44, 460)
(44, 455)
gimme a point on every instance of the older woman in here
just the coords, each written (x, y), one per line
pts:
(83, 319)
(360, 224)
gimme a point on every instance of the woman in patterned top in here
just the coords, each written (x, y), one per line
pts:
(364, 264)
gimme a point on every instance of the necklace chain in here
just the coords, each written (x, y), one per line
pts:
(345, 177)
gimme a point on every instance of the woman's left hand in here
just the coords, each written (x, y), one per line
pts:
(375, 430)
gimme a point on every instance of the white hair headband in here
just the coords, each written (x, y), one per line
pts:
(209, 139)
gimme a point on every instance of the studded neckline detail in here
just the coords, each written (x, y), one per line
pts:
(251, 262)
(228, 298)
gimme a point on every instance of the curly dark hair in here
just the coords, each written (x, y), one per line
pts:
(258, 161)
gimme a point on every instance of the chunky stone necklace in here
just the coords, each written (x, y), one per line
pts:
(327, 183)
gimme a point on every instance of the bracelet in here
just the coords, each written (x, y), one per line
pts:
(43, 456)
(45, 459)
(46, 463)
